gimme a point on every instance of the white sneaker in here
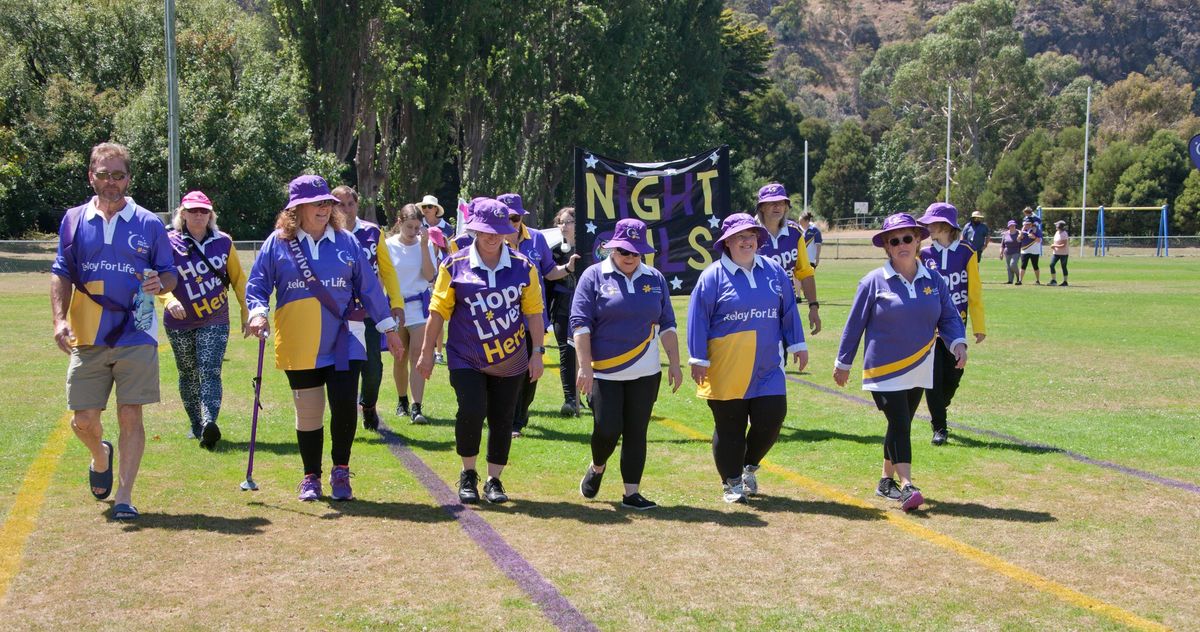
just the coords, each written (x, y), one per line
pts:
(735, 492)
(749, 480)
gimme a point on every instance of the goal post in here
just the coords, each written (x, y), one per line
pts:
(1100, 239)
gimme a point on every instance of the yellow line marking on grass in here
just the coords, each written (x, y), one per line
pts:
(23, 517)
(983, 558)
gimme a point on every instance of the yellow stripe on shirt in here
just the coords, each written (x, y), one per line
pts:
(637, 350)
(903, 363)
(732, 365)
(85, 314)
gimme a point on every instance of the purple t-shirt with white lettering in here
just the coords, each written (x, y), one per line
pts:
(201, 290)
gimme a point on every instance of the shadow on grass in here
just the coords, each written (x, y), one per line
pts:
(970, 442)
(408, 512)
(612, 513)
(541, 432)
(783, 504)
(259, 446)
(982, 512)
(431, 445)
(197, 522)
(819, 434)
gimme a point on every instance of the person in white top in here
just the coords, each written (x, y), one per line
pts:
(413, 259)
(1059, 249)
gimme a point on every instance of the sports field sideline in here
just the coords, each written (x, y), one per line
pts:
(1070, 503)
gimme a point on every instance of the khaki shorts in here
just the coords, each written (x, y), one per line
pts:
(94, 368)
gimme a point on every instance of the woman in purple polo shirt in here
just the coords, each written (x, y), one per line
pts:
(621, 309)
(318, 274)
(491, 295)
(900, 308)
(196, 313)
(741, 312)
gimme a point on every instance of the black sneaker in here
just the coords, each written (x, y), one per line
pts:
(590, 485)
(415, 413)
(569, 409)
(1064, 283)
(468, 487)
(402, 408)
(1052, 283)
(493, 491)
(888, 489)
(370, 418)
(1018, 283)
(940, 437)
(637, 501)
(210, 435)
(910, 497)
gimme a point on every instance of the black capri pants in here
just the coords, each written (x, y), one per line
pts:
(734, 448)
(1027, 258)
(1056, 259)
(899, 407)
(621, 411)
(341, 393)
(946, 378)
(483, 396)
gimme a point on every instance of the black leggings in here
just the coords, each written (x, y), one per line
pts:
(372, 373)
(621, 411)
(341, 392)
(479, 396)
(1055, 259)
(1027, 258)
(945, 384)
(566, 352)
(899, 408)
(734, 448)
(525, 392)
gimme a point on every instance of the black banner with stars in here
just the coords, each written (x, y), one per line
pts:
(682, 202)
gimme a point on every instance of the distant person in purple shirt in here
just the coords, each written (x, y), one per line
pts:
(1010, 251)
(899, 309)
(491, 296)
(531, 243)
(622, 308)
(196, 313)
(115, 255)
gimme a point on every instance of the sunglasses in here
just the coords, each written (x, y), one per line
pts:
(626, 253)
(325, 204)
(896, 241)
(516, 219)
(115, 176)
(198, 210)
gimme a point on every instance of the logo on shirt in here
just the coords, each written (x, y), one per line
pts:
(747, 314)
(345, 257)
(775, 286)
(138, 244)
(609, 289)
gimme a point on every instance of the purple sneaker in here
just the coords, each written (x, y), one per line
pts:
(910, 497)
(339, 481)
(310, 488)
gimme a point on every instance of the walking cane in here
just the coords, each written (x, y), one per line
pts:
(249, 485)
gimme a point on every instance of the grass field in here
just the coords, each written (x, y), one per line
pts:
(1013, 536)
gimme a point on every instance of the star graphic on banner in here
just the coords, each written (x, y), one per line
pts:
(676, 283)
(632, 173)
(591, 161)
(714, 222)
(672, 172)
(591, 228)
(714, 157)
(928, 291)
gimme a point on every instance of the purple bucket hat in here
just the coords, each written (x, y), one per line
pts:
(490, 216)
(630, 234)
(513, 202)
(308, 189)
(940, 212)
(1012, 223)
(896, 222)
(773, 192)
(737, 223)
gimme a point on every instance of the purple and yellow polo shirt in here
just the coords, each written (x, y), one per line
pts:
(625, 317)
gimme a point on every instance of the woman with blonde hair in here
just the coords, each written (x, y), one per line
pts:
(196, 314)
(414, 260)
(317, 271)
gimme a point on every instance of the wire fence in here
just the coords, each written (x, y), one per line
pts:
(37, 255)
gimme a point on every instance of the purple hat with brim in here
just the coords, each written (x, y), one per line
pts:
(490, 216)
(773, 192)
(308, 189)
(513, 202)
(737, 223)
(630, 234)
(943, 212)
(1012, 223)
(896, 222)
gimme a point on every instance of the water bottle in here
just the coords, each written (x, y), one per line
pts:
(143, 305)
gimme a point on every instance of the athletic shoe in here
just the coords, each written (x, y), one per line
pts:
(735, 492)
(940, 437)
(749, 480)
(339, 482)
(1063, 284)
(1038, 282)
(1008, 282)
(888, 489)
(210, 435)
(468, 487)
(1018, 283)
(1052, 283)
(402, 409)
(590, 485)
(493, 491)
(569, 409)
(438, 358)
(417, 417)
(310, 488)
(516, 433)
(197, 432)
(370, 418)
(637, 501)
(910, 497)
